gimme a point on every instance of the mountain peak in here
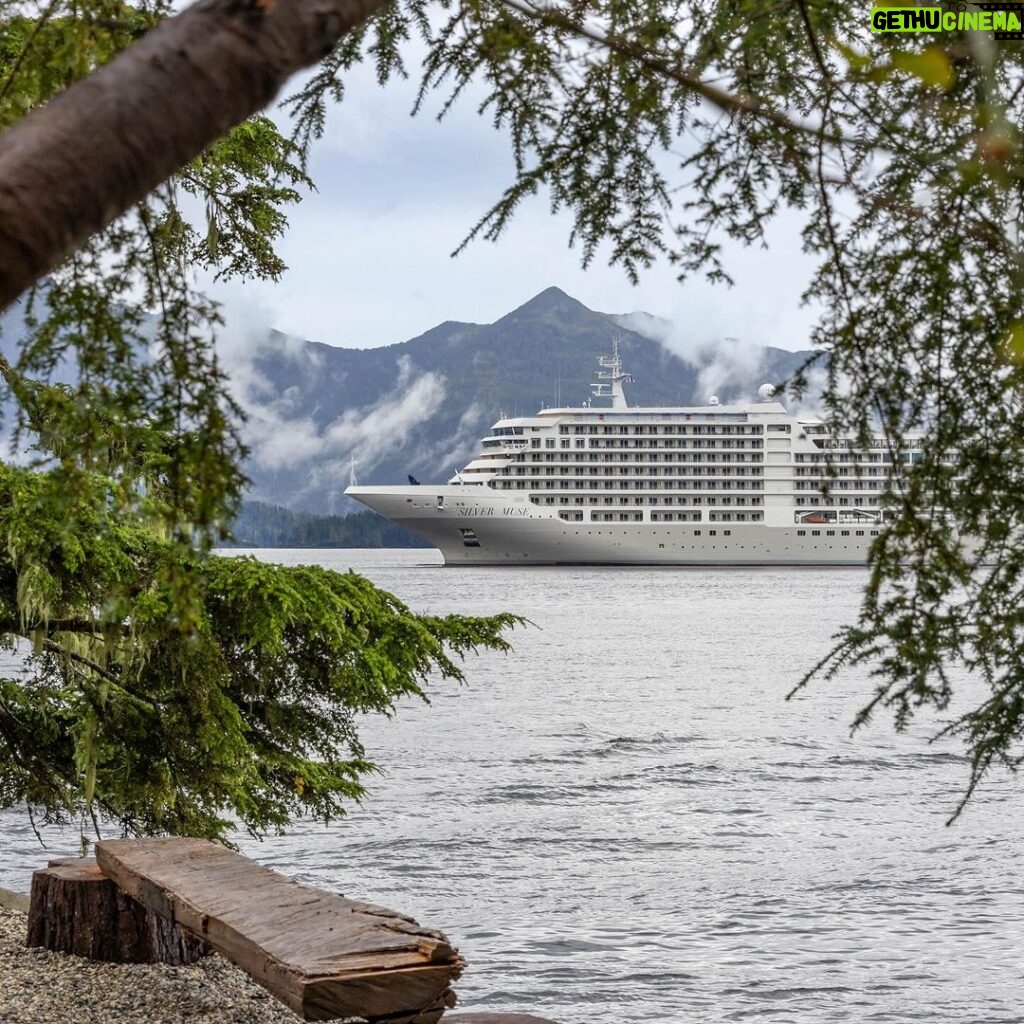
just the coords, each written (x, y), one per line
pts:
(551, 303)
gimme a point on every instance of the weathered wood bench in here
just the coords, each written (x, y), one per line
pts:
(321, 954)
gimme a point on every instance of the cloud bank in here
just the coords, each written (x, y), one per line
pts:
(286, 437)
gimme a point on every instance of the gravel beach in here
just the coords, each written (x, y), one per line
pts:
(40, 987)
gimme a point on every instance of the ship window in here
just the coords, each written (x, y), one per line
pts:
(728, 533)
(815, 533)
(860, 533)
(801, 533)
(712, 533)
(844, 533)
(696, 533)
(440, 501)
(549, 442)
(830, 533)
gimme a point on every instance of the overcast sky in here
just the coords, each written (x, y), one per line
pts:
(369, 252)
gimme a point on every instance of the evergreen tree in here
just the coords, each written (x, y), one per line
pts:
(664, 127)
(171, 690)
(168, 690)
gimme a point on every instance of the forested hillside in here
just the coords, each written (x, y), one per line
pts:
(262, 525)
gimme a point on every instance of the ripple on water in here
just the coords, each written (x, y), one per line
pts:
(624, 820)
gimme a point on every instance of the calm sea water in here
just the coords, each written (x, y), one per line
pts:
(624, 821)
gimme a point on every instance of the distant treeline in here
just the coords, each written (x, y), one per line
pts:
(262, 525)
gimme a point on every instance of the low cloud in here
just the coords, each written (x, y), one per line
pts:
(810, 404)
(244, 337)
(452, 454)
(281, 431)
(370, 432)
(720, 362)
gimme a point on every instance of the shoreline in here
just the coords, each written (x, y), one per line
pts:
(10, 900)
(55, 988)
(42, 987)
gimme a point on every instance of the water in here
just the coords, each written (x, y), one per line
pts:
(624, 820)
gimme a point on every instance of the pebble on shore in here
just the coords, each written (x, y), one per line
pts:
(40, 987)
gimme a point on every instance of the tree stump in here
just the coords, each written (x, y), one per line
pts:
(75, 908)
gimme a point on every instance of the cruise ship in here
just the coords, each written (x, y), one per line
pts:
(610, 484)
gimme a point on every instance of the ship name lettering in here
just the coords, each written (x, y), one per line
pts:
(515, 510)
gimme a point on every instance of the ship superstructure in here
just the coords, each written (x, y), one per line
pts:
(729, 484)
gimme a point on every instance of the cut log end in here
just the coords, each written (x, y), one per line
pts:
(74, 908)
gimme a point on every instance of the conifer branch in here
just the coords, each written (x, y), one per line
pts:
(728, 102)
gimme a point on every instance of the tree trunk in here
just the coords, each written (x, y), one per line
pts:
(75, 909)
(79, 161)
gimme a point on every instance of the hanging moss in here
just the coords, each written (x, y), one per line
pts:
(246, 708)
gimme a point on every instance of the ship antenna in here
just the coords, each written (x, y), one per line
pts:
(610, 378)
(352, 482)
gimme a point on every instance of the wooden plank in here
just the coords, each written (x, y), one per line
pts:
(323, 955)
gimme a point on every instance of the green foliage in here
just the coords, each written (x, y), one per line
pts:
(246, 711)
(170, 690)
(47, 50)
(240, 179)
(664, 128)
(668, 127)
(122, 318)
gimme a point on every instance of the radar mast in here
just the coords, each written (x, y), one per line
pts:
(610, 378)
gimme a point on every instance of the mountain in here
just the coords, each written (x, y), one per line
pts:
(419, 407)
(317, 413)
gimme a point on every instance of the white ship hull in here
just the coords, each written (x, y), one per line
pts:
(508, 530)
(743, 484)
